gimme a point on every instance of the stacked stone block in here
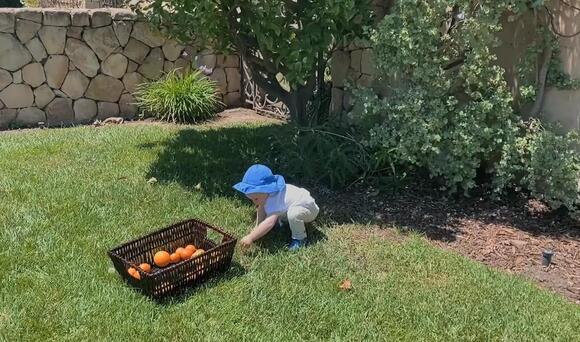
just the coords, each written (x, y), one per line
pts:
(62, 67)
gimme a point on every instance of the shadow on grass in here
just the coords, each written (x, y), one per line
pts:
(235, 271)
(274, 242)
(212, 160)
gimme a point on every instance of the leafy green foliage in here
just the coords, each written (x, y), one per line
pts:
(289, 35)
(450, 112)
(545, 163)
(557, 77)
(179, 98)
(329, 154)
(291, 39)
(527, 68)
(31, 3)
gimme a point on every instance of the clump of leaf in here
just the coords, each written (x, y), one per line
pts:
(450, 112)
(545, 163)
(179, 98)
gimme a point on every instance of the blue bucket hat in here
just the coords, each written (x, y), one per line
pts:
(259, 178)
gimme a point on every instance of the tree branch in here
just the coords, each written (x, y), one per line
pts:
(570, 5)
(266, 65)
(454, 64)
(260, 69)
(320, 71)
(248, 45)
(542, 76)
(308, 88)
(556, 32)
(453, 20)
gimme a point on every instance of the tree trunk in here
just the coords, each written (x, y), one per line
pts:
(297, 106)
(541, 85)
(296, 100)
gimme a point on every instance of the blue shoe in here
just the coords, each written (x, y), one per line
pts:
(297, 244)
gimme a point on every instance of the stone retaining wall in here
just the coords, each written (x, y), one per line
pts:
(61, 67)
(353, 65)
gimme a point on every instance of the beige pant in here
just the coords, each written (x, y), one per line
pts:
(297, 216)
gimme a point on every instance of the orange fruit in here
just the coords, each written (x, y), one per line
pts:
(134, 273)
(145, 267)
(191, 248)
(162, 258)
(185, 253)
(175, 257)
(198, 253)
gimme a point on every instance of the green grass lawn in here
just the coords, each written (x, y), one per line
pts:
(69, 195)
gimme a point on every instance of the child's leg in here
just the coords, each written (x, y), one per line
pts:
(297, 216)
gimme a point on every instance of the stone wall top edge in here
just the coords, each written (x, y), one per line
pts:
(116, 13)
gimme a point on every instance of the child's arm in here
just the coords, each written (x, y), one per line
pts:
(264, 227)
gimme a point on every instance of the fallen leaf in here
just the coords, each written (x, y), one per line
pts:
(152, 180)
(345, 285)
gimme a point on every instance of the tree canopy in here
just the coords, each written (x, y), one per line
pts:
(289, 39)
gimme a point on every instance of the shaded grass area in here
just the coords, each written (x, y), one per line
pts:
(67, 196)
(211, 160)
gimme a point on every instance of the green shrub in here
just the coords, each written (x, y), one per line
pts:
(31, 3)
(179, 98)
(545, 163)
(329, 154)
(450, 110)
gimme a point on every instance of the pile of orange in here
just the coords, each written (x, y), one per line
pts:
(163, 258)
(145, 267)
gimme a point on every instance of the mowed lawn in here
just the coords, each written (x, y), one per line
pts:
(69, 195)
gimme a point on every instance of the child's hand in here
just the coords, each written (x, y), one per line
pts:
(246, 242)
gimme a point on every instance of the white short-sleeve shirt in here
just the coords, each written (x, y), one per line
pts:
(279, 202)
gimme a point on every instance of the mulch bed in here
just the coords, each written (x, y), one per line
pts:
(510, 236)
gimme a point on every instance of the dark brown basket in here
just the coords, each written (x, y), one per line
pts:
(160, 282)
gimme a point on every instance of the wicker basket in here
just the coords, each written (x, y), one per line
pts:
(160, 282)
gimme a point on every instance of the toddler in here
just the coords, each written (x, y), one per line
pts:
(276, 201)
